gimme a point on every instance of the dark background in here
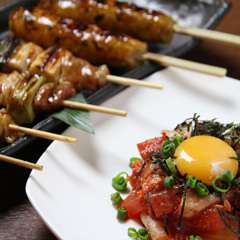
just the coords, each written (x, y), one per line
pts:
(18, 220)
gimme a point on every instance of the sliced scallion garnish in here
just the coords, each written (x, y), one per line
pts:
(191, 182)
(169, 182)
(119, 183)
(122, 214)
(201, 189)
(116, 198)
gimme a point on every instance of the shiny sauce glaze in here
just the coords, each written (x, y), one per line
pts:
(85, 41)
(117, 17)
(65, 73)
(6, 134)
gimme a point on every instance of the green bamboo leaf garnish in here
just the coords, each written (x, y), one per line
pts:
(76, 118)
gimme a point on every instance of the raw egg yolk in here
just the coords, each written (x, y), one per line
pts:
(205, 157)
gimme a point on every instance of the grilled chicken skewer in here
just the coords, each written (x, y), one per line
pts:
(8, 135)
(65, 75)
(92, 43)
(9, 131)
(88, 42)
(25, 95)
(119, 17)
(45, 79)
(76, 70)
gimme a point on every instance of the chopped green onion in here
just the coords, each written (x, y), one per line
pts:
(143, 234)
(222, 183)
(225, 186)
(227, 176)
(134, 160)
(191, 182)
(119, 183)
(122, 214)
(171, 166)
(165, 143)
(177, 140)
(201, 189)
(169, 182)
(194, 237)
(132, 233)
(116, 198)
(168, 149)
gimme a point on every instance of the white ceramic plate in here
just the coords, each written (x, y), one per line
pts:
(72, 194)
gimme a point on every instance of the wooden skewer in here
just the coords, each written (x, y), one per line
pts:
(208, 34)
(94, 108)
(20, 163)
(42, 134)
(133, 82)
(185, 64)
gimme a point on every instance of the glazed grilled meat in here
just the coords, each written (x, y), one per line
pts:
(51, 95)
(24, 96)
(57, 65)
(6, 134)
(46, 79)
(22, 57)
(117, 17)
(88, 42)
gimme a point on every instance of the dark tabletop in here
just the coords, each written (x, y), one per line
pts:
(18, 220)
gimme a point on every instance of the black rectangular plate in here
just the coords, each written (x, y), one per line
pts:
(199, 13)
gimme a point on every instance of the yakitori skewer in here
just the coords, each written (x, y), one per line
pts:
(24, 97)
(119, 17)
(9, 131)
(31, 58)
(64, 73)
(20, 163)
(89, 42)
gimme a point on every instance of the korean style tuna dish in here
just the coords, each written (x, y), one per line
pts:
(185, 185)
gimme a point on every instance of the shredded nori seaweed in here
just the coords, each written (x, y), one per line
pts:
(158, 159)
(227, 216)
(230, 133)
(180, 219)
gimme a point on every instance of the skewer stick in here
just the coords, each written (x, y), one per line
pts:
(133, 82)
(42, 134)
(208, 34)
(20, 163)
(185, 64)
(94, 108)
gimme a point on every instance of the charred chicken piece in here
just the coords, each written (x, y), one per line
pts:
(22, 57)
(57, 65)
(20, 102)
(6, 134)
(117, 17)
(62, 66)
(25, 96)
(51, 95)
(47, 79)
(8, 83)
(85, 41)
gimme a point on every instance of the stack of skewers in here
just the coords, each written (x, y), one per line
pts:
(48, 66)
